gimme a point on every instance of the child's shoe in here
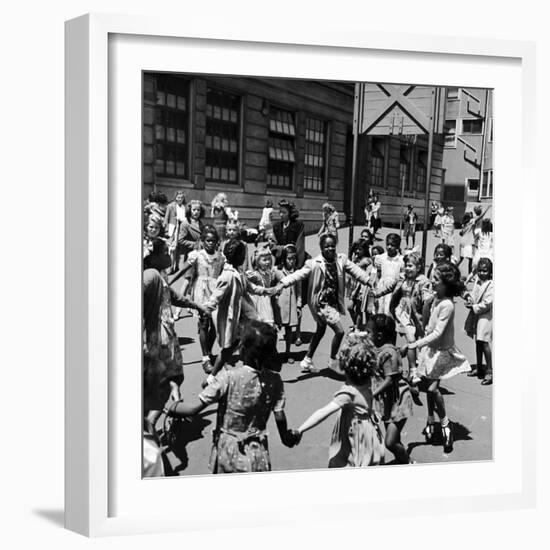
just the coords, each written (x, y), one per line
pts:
(428, 432)
(415, 379)
(306, 364)
(447, 438)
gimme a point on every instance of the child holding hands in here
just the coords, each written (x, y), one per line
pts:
(357, 436)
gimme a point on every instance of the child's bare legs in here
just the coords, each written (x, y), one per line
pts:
(393, 441)
(317, 337)
(439, 404)
(486, 349)
(288, 342)
(207, 337)
(298, 337)
(479, 360)
(336, 339)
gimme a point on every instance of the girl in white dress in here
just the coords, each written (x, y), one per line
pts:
(439, 359)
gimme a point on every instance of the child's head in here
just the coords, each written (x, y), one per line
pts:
(161, 198)
(486, 226)
(289, 256)
(412, 265)
(195, 210)
(269, 203)
(485, 269)
(262, 260)
(210, 238)
(259, 346)
(219, 204)
(393, 242)
(366, 236)
(409, 207)
(327, 244)
(478, 210)
(359, 249)
(383, 330)
(357, 357)
(179, 197)
(328, 208)
(447, 281)
(154, 226)
(233, 229)
(442, 253)
(376, 249)
(271, 239)
(288, 211)
(235, 252)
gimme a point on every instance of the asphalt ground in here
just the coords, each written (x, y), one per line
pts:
(469, 404)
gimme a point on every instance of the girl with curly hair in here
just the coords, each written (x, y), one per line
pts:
(357, 436)
(439, 358)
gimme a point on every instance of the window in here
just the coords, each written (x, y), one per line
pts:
(487, 185)
(404, 167)
(222, 136)
(314, 173)
(281, 157)
(472, 185)
(452, 93)
(472, 126)
(377, 162)
(421, 170)
(449, 131)
(171, 126)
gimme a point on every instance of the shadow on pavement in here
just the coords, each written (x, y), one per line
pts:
(189, 431)
(185, 340)
(460, 433)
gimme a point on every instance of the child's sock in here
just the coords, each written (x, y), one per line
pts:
(205, 358)
(444, 421)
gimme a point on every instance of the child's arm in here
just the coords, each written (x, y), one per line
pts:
(297, 276)
(319, 416)
(486, 303)
(184, 269)
(179, 408)
(287, 438)
(395, 298)
(357, 273)
(383, 387)
(221, 289)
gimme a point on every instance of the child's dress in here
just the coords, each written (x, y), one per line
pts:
(266, 222)
(390, 270)
(263, 304)
(447, 230)
(439, 358)
(484, 246)
(206, 269)
(233, 304)
(289, 301)
(246, 398)
(395, 403)
(357, 438)
(407, 303)
(467, 241)
(481, 327)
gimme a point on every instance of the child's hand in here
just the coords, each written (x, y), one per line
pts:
(412, 345)
(403, 350)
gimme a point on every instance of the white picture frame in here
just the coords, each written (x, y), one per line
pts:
(105, 54)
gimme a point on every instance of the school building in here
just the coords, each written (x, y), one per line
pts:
(261, 138)
(468, 149)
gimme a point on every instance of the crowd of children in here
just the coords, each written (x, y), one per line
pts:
(242, 300)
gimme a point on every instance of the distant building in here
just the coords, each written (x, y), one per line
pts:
(261, 138)
(468, 148)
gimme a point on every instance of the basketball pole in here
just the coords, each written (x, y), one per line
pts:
(434, 109)
(357, 120)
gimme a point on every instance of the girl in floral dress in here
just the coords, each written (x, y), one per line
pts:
(439, 358)
(205, 267)
(390, 389)
(412, 292)
(357, 439)
(247, 394)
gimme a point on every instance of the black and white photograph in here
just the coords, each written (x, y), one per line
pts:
(317, 274)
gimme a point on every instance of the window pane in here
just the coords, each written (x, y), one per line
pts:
(222, 135)
(314, 175)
